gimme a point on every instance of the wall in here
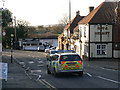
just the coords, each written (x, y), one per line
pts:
(104, 38)
(116, 53)
(93, 52)
(84, 38)
(95, 33)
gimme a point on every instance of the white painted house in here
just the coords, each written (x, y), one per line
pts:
(96, 33)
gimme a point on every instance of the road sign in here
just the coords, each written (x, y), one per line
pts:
(3, 71)
(4, 33)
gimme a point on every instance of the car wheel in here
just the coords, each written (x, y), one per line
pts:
(48, 71)
(80, 73)
(54, 73)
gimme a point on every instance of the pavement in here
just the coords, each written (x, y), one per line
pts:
(113, 64)
(17, 77)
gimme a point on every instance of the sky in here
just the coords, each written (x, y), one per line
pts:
(47, 12)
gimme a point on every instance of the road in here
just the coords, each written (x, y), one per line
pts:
(34, 64)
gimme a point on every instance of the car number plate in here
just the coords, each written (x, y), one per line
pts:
(71, 64)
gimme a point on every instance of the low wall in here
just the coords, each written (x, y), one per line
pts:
(116, 53)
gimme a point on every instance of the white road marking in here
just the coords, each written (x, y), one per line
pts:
(108, 79)
(89, 74)
(31, 62)
(40, 65)
(108, 69)
(40, 61)
(35, 71)
(38, 77)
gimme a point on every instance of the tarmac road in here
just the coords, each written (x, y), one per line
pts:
(95, 76)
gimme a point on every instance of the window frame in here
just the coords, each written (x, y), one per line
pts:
(101, 49)
(84, 31)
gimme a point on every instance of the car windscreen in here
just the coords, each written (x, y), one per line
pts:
(53, 52)
(70, 58)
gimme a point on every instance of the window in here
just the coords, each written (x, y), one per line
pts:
(70, 58)
(80, 33)
(101, 49)
(84, 31)
(54, 57)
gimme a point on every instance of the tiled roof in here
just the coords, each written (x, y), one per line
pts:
(76, 28)
(74, 22)
(104, 13)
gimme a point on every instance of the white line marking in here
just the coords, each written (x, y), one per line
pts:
(89, 74)
(35, 71)
(107, 69)
(40, 61)
(31, 62)
(108, 79)
(40, 65)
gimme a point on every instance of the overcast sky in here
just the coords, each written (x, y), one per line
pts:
(45, 12)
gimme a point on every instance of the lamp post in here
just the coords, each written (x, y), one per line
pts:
(12, 47)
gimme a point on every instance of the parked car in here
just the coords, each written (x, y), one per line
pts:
(47, 50)
(41, 48)
(65, 63)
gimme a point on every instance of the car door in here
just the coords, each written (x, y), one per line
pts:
(50, 63)
(54, 63)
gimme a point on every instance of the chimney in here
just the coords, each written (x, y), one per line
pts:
(91, 8)
(77, 13)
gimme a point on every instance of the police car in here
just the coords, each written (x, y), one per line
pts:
(65, 62)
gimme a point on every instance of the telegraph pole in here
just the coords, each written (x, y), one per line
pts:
(70, 17)
(69, 11)
(15, 32)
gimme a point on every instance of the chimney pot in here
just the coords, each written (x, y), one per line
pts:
(78, 13)
(91, 8)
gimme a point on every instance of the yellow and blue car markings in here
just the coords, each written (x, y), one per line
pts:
(53, 64)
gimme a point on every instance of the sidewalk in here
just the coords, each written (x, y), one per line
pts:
(17, 77)
(113, 64)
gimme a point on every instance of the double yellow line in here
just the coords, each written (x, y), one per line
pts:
(48, 85)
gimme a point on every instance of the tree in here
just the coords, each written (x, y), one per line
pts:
(6, 17)
(64, 20)
(40, 27)
(57, 29)
(22, 28)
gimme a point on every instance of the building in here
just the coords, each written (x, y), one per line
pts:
(97, 33)
(60, 42)
(68, 30)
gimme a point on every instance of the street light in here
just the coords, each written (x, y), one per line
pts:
(12, 47)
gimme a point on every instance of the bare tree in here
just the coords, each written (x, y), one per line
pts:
(64, 20)
(23, 22)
